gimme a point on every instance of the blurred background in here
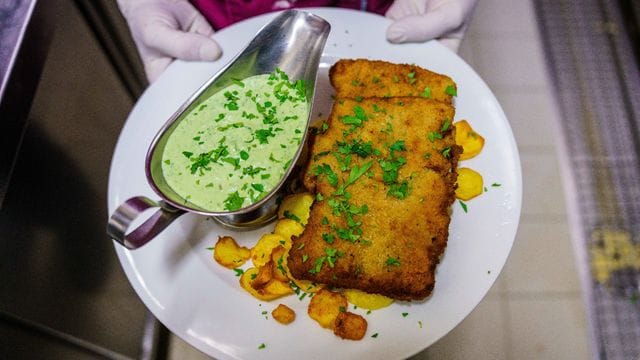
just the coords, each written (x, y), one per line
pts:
(565, 72)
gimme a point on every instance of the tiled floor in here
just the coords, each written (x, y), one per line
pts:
(535, 310)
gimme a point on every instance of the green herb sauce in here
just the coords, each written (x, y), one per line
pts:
(236, 146)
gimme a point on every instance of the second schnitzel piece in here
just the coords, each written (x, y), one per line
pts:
(361, 78)
(384, 177)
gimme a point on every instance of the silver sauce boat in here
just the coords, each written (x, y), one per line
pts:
(292, 42)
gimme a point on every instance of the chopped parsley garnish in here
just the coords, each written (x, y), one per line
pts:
(244, 155)
(496, 185)
(426, 93)
(463, 205)
(411, 77)
(404, 314)
(332, 255)
(263, 135)
(305, 257)
(251, 171)
(376, 334)
(262, 346)
(433, 135)
(446, 152)
(451, 90)
(258, 187)
(392, 262)
(238, 272)
(445, 125)
(238, 82)
(399, 190)
(187, 154)
(328, 238)
(289, 215)
(326, 170)
(233, 202)
(317, 265)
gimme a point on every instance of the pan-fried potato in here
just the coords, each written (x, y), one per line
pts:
(471, 141)
(296, 206)
(279, 259)
(306, 285)
(283, 314)
(272, 290)
(279, 288)
(470, 184)
(325, 306)
(350, 326)
(367, 301)
(288, 228)
(261, 253)
(229, 254)
(265, 274)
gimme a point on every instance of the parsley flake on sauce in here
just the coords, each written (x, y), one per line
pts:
(233, 202)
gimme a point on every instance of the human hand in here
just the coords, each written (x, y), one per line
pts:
(423, 20)
(164, 30)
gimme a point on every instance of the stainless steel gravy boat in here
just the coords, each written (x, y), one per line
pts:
(292, 42)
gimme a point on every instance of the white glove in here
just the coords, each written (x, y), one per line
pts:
(164, 30)
(423, 20)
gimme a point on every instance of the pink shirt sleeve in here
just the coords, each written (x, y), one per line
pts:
(221, 13)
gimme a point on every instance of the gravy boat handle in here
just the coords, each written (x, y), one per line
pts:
(124, 215)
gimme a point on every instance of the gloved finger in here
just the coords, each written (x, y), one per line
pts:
(191, 20)
(420, 28)
(402, 8)
(154, 66)
(182, 45)
(452, 43)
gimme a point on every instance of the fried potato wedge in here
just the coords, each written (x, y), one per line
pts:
(296, 207)
(306, 285)
(367, 301)
(325, 306)
(279, 259)
(261, 253)
(471, 142)
(470, 184)
(350, 326)
(272, 290)
(283, 314)
(288, 228)
(265, 274)
(229, 254)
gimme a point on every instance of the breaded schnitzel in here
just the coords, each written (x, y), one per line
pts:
(373, 78)
(384, 175)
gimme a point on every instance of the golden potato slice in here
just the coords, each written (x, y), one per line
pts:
(261, 253)
(283, 314)
(350, 326)
(306, 285)
(288, 228)
(278, 288)
(470, 184)
(272, 290)
(325, 306)
(367, 301)
(279, 259)
(229, 254)
(296, 207)
(471, 141)
(265, 274)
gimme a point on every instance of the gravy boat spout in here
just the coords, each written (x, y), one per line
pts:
(293, 43)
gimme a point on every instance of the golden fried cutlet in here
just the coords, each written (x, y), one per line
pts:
(373, 78)
(384, 174)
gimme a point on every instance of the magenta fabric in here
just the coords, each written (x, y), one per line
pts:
(222, 13)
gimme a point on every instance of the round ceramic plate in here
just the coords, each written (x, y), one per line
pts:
(202, 302)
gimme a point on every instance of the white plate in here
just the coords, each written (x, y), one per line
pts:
(202, 302)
